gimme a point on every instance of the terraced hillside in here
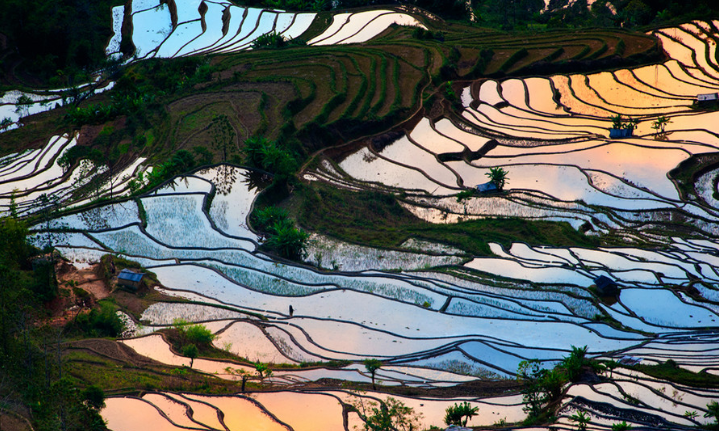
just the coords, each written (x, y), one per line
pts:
(387, 129)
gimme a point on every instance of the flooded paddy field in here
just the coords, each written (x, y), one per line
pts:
(443, 321)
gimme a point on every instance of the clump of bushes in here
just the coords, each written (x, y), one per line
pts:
(422, 34)
(270, 156)
(198, 334)
(102, 322)
(543, 387)
(282, 236)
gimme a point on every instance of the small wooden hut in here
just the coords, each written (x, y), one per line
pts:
(129, 279)
(606, 286)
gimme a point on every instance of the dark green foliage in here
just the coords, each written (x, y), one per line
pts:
(388, 415)
(76, 153)
(573, 365)
(377, 219)
(194, 334)
(44, 284)
(13, 247)
(181, 162)
(190, 351)
(270, 156)
(498, 176)
(455, 413)
(621, 426)
(581, 418)
(205, 155)
(265, 218)
(713, 411)
(102, 322)
(95, 397)
(288, 241)
(422, 34)
(672, 372)
(269, 40)
(372, 365)
(282, 235)
(58, 38)
(464, 195)
(541, 386)
(199, 334)
(223, 135)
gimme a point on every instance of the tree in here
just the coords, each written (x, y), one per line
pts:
(288, 241)
(22, 106)
(390, 415)
(372, 365)
(541, 386)
(195, 334)
(5, 123)
(498, 176)
(621, 426)
(223, 135)
(263, 371)
(454, 414)
(191, 352)
(574, 364)
(713, 411)
(582, 418)
(660, 126)
(95, 397)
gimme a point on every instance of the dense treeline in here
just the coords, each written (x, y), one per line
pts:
(31, 377)
(58, 38)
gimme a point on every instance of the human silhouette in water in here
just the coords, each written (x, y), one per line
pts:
(292, 311)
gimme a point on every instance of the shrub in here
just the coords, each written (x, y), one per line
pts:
(269, 40)
(195, 334)
(199, 334)
(102, 322)
(541, 386)
(268, 155)
(454, 414)
(391, 414)
(288, 241)
(190, 351)
(265, 218)
(95, 397)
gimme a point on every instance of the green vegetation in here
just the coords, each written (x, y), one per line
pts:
(282, 236)
(223, 136)
(270, 156)
(498, 177)
(455, 413)
(197, 335)
(30, 370)
(671, 371)
(581, 418)
(190, 351)
(99, 323)
(621, 426)
(544, 387)
(390, 415)
(58, 41)
(372, 365)
(377, 219)
(713, 412)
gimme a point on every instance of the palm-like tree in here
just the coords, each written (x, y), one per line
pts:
(372, 365)
(498, 176)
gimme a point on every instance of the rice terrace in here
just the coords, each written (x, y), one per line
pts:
(339, 215)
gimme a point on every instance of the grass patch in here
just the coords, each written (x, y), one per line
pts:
(378, 220)
(670, 371)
